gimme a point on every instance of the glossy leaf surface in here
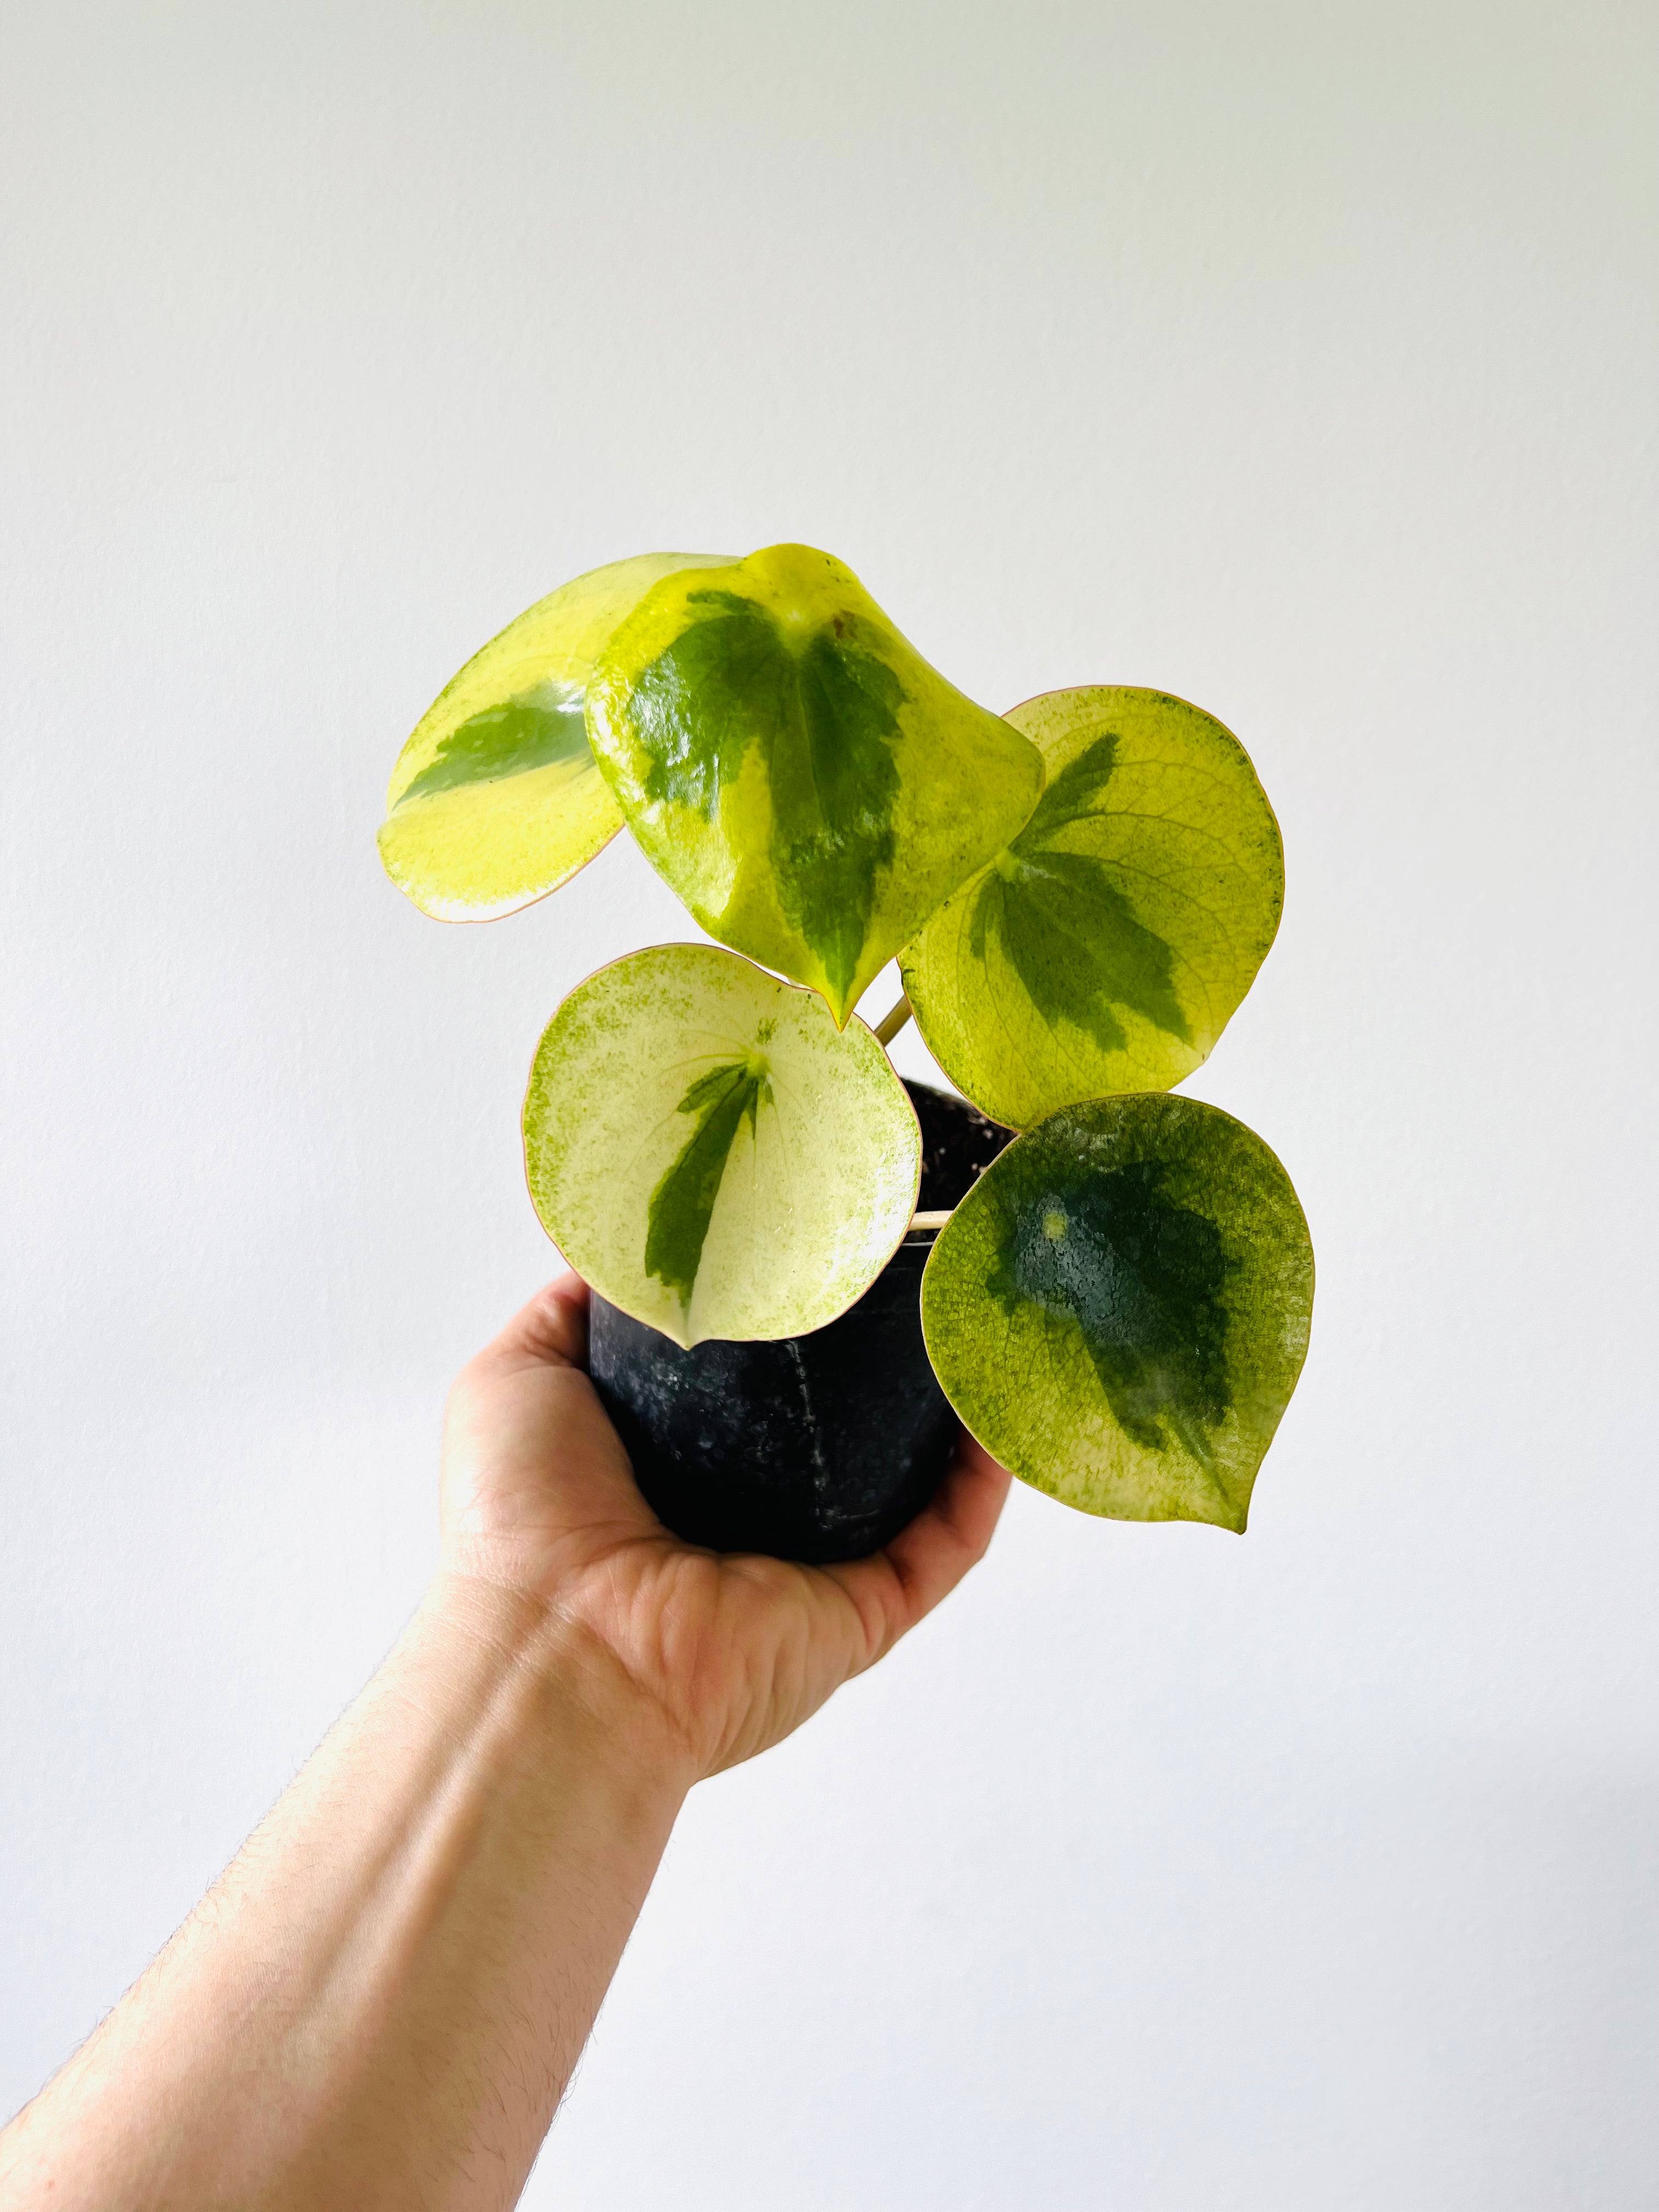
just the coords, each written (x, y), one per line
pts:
(1105, 950)
(496, 800)
(1119, 1308)
(798, 774)
(711, 1153)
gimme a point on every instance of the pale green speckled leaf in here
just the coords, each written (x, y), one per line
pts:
(1119, 1308)
(795, 771)
(711, 1153)
(496, 800)
(1106, 949)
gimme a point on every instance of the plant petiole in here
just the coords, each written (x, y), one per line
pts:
(888, 1027)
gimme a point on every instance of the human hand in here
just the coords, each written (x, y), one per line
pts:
(734, 1650)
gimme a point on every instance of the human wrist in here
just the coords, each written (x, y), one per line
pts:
(549, 1675)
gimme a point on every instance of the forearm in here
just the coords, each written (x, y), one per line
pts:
(382, 1999)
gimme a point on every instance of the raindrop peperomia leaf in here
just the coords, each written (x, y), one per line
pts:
(496, 800)
(1119, 1308)
(711, 1153)
(1105, 950)
(798, 774)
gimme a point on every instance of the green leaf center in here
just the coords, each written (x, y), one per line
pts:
(682, 1203)
(1143, 1278)
(1064, 927)
(822, 710)
(535, 730)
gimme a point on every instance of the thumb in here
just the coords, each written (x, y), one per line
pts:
(551, 1331)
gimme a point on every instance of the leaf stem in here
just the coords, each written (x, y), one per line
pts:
(931, 1219)
(889, 1028)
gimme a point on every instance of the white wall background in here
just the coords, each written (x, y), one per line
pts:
(1300, 358)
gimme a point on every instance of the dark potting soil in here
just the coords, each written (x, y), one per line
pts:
(815, 1448)
(958, 1143)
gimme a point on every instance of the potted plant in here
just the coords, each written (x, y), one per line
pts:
(805, 1270)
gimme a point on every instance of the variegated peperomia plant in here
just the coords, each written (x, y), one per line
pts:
(1078, 895)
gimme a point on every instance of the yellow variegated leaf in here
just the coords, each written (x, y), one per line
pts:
(496, 800)
(711, 1153)
(1106, 948)
(1119, 1308)
(796, 772)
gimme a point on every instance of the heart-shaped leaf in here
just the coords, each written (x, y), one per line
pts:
(1105, 950)
(1119, 1308)
(795, 771)
(496, 800)
(711, 1153)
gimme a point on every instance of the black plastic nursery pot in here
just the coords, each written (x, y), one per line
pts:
(815, 1447)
